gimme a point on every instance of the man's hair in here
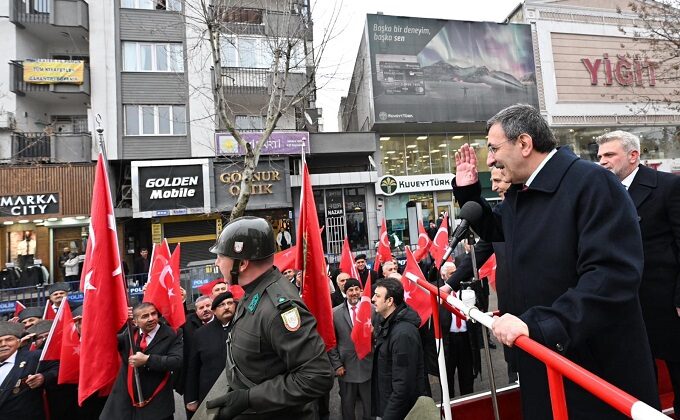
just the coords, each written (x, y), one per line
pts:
(629, 141)
(393, 289)
(142, 306)
(525, 119)
(201, 299)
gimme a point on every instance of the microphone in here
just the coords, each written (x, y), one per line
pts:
(470, 213)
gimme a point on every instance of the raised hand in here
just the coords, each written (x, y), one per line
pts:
(466, 166)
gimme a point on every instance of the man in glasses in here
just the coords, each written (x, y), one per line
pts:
(573, 258)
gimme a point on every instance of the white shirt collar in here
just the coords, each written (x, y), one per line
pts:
(151, 334)
(627, 181)
(11, 359)
(538, 169)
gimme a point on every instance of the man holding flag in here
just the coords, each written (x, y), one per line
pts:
(276, 361)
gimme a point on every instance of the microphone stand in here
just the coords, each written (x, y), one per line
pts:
(487, 352)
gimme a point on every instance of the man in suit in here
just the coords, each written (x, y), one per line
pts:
(21, 388)
(656, 196)
(207, 358)
(354, 375)
(559, 221)
(338, 296)
(157, 352)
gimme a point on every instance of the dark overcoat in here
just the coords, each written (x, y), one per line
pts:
(574, 265)
(165, 356)
(656, 196)
(207, 361)
(21, 402)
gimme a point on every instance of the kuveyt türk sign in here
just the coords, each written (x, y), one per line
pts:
(391, 185)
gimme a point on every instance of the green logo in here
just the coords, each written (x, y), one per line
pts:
(388, 185)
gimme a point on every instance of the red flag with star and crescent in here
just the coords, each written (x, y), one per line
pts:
(424, 242)
(384, 252)
(69, 355)
(105, 300)
(284, 260)
(52, 348)
(415, 296)
(362, 333)
(488, 270)
(347, 264)
(18, 308)
(441, 241)
(163, 288)
(310, 259)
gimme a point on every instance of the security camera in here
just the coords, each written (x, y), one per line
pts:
(100, 130)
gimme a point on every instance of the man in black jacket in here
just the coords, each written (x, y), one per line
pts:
(364, 272)
(208, 351)
(398, 366)
(157, 353)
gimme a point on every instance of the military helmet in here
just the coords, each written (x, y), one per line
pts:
(246, 238)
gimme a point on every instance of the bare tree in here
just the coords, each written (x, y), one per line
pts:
(289, 78)
(655, 32)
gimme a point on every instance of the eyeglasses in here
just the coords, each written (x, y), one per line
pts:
(494, 149)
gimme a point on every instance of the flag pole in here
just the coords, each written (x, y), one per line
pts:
(102, 149)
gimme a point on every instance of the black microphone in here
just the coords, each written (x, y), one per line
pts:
(470, 213)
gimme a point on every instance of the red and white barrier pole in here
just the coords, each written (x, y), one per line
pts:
(441, 358)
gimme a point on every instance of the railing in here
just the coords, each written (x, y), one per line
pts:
(557, 366)
(18, 86)
(246, 80)
(30, 11)
(31, 147)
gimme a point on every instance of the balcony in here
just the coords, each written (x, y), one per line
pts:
(32, 14)
(252, 81)
(45, 147)
(45, 91)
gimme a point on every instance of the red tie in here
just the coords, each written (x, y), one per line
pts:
(354, 314)
(459, 322)
(142, 343)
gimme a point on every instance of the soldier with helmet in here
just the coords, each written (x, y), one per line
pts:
(277, 365)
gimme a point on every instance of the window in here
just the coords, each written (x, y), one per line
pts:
(63, 124)
(138, 56)
(173, 5)
(155, 120)
(256, 52)
(249, 122)
(243, 15)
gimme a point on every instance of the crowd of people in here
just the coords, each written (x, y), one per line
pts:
(588, 264)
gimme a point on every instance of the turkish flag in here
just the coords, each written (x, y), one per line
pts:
(49, 312)
(347, 261)
(310, 258)
(105, 301)
(424, 242)
(163, 289)
(384, 253)
(415, 296)
(52, 348)
(488, 270)
(18, 308)
(69, 357)
(441, 241)
(362, 331)
(284, 260)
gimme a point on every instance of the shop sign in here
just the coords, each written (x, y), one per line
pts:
(49, 72)
(278, 143)
(171, 187)
(391, 185)
(29, 205)
(626, 71)
(269, 188)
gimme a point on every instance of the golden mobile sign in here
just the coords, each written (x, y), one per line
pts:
(48, 72)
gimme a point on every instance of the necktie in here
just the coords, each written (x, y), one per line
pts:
(354, 314)
(142, 342)
(459, 322)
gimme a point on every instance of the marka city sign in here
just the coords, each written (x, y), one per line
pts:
(29, 205)
(624, 70)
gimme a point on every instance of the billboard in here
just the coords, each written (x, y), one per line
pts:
(429, 70)
(48, 72)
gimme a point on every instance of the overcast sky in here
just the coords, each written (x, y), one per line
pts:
(338, 59)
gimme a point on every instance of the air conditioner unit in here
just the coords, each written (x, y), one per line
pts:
(7, 121)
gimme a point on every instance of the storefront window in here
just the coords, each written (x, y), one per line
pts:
(655, 142)
(342, 212)
(392, 149)
(355, 210)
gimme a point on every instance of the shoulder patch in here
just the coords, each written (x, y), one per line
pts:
(253, 303)
(291, 319)
(278, 297)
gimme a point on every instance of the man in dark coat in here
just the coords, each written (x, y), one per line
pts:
(398, 377)
(570, 288)
(656, 196)
(157, 353)
(338, 296)
(208, 351)
(21, 388)
(195, 320)
(364, 272)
